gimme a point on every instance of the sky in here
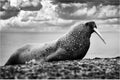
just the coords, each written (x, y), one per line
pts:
(54, 15)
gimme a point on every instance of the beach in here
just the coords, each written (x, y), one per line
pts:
(96, 68)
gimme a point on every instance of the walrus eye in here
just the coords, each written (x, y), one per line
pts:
(98, 33)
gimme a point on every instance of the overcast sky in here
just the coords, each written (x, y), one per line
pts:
(42, 15)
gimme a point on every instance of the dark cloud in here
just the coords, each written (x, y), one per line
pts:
(95, 2)
(2, 3)
(31, 5)
(7, 11)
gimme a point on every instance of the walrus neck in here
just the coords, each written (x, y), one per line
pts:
(75, 37)
(76, 33)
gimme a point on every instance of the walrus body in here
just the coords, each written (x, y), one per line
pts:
(73, 45)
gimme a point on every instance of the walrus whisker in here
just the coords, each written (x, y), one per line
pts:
(98, 33)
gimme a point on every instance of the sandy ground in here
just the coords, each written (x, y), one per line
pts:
(97, 68)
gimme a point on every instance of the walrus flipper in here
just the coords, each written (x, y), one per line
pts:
(58, 55)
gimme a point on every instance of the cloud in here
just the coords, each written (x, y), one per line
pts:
(8, 9)
(91, 11)
(40, 26)
(30, 5)
(90, 2)
(80, 12)
(47, 12)
(10, 12)
(63, 15)
(27, 15)
(88, 12)
(108, 11)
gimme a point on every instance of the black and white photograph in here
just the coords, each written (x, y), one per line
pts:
(59, 39)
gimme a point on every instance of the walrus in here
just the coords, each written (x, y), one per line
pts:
(71, 46)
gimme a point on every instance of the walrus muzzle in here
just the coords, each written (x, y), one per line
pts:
(98, 33)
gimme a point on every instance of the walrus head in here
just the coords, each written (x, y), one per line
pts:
(93, 28)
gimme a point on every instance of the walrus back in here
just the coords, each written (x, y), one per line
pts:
(14, 59)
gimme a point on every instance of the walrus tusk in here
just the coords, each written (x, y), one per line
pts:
(98, 33)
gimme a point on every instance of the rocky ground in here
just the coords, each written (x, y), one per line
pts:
(97, 68)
